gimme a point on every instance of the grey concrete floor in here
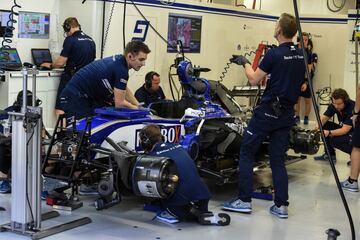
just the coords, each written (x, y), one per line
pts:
(315, 206)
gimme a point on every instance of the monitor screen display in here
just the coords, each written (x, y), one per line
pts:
(34, 25)
(4, 18)
(41, 56)
(10, 57)
(186, 28)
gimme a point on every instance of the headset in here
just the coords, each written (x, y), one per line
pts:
(67, 26)
(149, 77)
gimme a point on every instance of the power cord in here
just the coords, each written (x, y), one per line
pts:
(337, 8)
(9, 32)
(228, 66)
(152, 27)
(26, 123)
(124, 26)
(108, 27)
(317, 114)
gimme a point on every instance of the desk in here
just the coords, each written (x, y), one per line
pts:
(47, 83)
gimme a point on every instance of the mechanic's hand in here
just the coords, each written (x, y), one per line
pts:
(326, 133)
(239, 60)
(304, 87)
(47, 65)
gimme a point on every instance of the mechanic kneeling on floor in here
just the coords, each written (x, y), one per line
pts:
(191, 197)
(338, 135)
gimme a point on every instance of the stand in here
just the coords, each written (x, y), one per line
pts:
(26, 171)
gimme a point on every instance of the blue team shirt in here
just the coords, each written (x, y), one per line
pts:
(286, 67)
(190, 187)
(345, 115)
(97, 80)
(144, 96)
(79, 49)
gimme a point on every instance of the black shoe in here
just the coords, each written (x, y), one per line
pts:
(219, 219)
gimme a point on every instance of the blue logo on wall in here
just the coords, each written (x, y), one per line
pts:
(141, 30)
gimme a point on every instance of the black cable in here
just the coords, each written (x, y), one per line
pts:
(152, 27)
(338, 7)
(223, 73)
(124, 26)
(356, 21)
(8, 34)
(170, 82)
(332, 165)
(228, 66)
(107, 27)
(26, 171)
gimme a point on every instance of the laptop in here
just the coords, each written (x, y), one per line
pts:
(40, 56)
(10, 59)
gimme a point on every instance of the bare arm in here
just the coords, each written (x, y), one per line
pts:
(340, 131)
(131, 98)
(120, 99)
(59, 62)
(323, 119)
(255, 77)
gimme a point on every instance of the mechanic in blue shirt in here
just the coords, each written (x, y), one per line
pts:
(78, 51)
(191, 197)
(104, 82)
(338, 135)
(150, 91)
(273, 117)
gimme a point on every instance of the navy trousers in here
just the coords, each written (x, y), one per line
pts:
(342, 143)
(265, 123)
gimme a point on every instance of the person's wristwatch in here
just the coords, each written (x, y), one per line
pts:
(356, 113)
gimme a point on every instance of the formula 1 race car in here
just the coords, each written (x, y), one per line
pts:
(107, 144)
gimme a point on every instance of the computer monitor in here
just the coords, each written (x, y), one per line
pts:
(41, 55)
(34, 25)
(186, 28)
(4, 18)
(9, 58)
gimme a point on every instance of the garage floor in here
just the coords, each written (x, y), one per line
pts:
(315, 206)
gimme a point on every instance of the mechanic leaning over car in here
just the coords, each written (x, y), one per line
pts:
(191, 197)
(273, 117)
(104, 83)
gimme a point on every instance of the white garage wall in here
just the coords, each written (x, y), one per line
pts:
(24, 45)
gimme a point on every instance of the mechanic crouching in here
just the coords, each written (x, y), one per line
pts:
(273, 117)
(191, 197)
(338, 135)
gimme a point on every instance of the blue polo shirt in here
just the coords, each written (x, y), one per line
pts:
(79, 49)
(286, 67)
(96, 81)
(345, 115)
(146, 97)
(190, 187)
